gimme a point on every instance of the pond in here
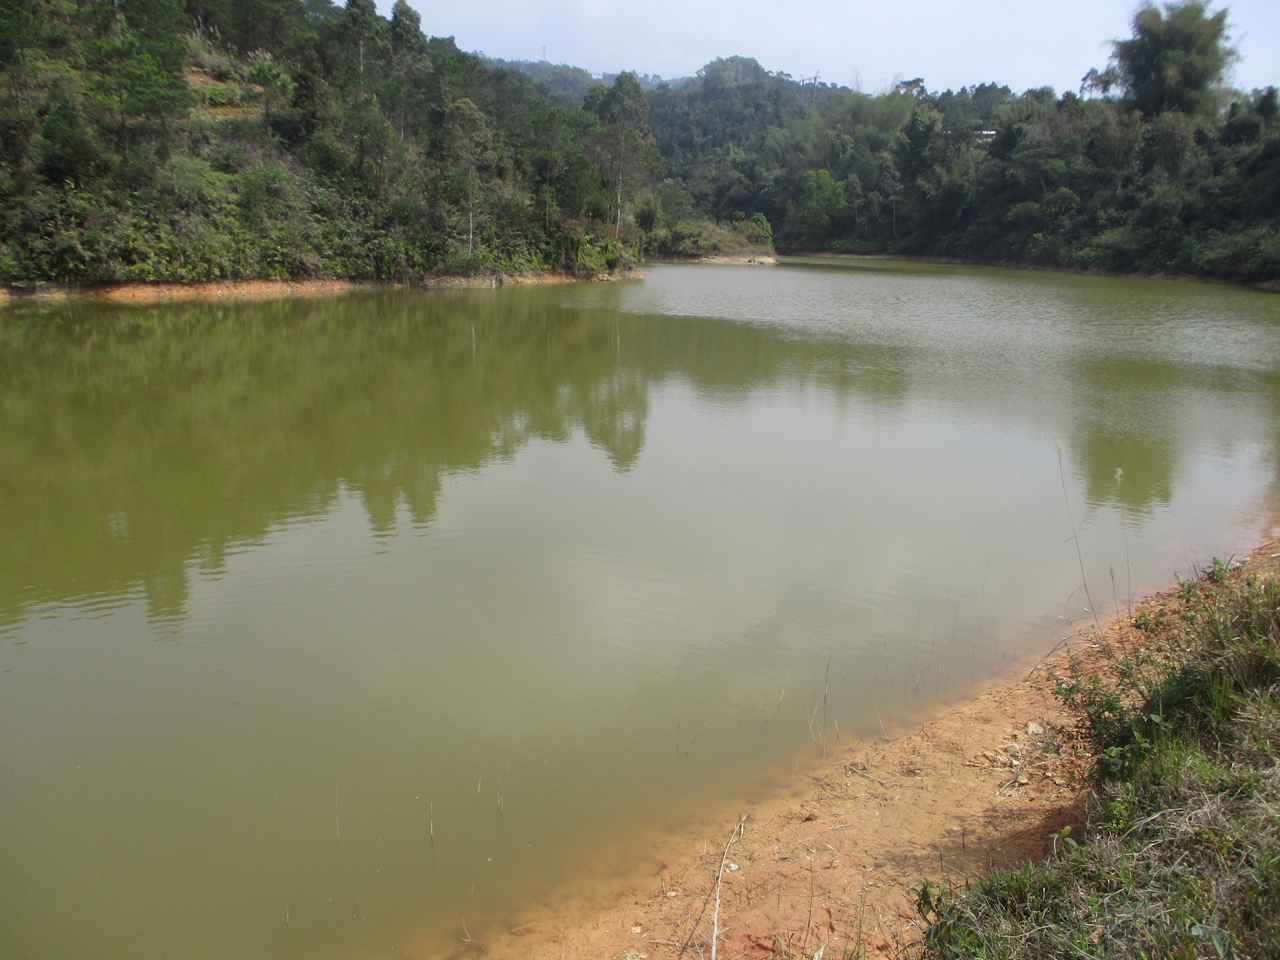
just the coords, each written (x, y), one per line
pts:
(361, 626)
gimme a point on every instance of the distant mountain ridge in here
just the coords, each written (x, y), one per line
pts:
(563, 80)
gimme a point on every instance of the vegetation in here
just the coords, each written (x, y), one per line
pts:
(1164, 169)
(148, 140)
(152, 140)
(1183, 851)
(570, 84)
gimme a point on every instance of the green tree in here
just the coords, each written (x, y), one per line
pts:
(133, 81)
(407, 40)
(362, 36)
(622, 109)
(471, 135)
(821, 199)
(1174, 61)
(409, 67)
(70, 148)
(20, 30)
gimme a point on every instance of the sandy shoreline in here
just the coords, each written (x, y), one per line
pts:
(838, 857)
(257, 290)
(737, 259)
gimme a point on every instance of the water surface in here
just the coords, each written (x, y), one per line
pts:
(337, 628)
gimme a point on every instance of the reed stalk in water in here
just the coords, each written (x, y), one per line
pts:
(1124, 525)
(1075, 537)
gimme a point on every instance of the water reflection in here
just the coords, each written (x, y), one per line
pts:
(137, 440)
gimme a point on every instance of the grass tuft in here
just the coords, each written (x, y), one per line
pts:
(1182, 856)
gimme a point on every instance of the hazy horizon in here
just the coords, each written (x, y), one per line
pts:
(861, 45)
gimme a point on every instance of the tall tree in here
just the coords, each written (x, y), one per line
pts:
(1175, 59)
(364, 34)
(470, 130)
(623, 109)
(19, 32)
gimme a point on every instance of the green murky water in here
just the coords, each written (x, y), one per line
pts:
(333, 628)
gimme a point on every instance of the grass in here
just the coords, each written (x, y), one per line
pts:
(709, 238)
(1180, 857)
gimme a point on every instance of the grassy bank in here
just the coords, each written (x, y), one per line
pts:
(696, 239)
(1180, 854)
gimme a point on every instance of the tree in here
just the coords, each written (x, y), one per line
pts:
(820, 199)
(20, 29)
(407, 41)
(363, 34)
(252, 24)
(623, 109)
(133, 80)
(1175, 60)
(409, 67)
(471, 135)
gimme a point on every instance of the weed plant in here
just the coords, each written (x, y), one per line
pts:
(1181, 854)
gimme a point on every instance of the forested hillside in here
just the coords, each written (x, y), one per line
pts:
(148, 140)
(570, 84)
(1162, 167)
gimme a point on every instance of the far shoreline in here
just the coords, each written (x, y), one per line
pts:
(260, 290)
(139, 293)
(1267, 286)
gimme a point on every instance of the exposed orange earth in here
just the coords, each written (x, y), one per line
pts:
(280, 289)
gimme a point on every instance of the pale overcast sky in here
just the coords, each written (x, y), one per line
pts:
(950, 43)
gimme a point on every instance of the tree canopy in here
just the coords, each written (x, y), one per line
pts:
(1175, 59)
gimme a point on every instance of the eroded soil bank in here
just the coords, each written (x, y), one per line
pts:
(280, 289)
(838, 859)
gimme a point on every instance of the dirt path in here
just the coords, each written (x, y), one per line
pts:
(838, 860)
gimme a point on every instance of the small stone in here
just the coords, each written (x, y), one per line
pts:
(734, 868)
(1035, 729)
(1013, 750)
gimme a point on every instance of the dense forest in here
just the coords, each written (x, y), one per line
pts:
(1162, 167)
(148, 140)
(570, 85)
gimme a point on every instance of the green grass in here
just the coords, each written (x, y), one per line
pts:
(688, 239)
(1180, 857)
